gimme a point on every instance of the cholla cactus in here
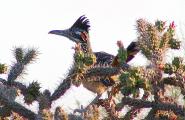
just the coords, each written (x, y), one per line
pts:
(155, 40)
(82, 61)
(92, 113)
(3, 68)
(122, 82)
(32, 92)
(60, 114)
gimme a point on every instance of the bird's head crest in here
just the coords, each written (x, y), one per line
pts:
(81, 23)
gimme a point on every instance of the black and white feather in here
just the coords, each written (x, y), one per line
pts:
(82, 24)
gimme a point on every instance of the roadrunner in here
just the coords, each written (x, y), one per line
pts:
(79, 33)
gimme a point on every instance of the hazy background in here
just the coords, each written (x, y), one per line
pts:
(26, 23)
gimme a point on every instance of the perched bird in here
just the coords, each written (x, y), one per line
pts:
(74, 33)
(79, 33)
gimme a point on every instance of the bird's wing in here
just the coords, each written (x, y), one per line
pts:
(103, 58)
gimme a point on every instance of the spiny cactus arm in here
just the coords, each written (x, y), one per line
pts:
(174, 82)
(102, 71)
(16, 107)
(23, 58)
(157, 91)
(31, 92)
(21, 110)
(134, 109)
(16, 84)
(109, 105)
(105, 71)
(177, 68)
(75, 117)
(3, 68)
(60, 114)
(62, 88)
(4, 111)
(154, 105)
(151, 115)
(64, 85)
(16, 70)
(44, 100)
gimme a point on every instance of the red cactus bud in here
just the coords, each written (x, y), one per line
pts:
(120, 44)
(172, 25)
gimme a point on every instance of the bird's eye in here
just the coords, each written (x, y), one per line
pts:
(77, 32)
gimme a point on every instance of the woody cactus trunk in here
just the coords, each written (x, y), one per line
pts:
(138, 87)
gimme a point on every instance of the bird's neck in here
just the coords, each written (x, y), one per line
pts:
(86, 47)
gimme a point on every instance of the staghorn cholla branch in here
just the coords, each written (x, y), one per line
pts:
(23, 58)
(135, 109)
(60, 114)
(151, 115)
(102, 71)
(30, 56)
(44, 100)
(7, 97)
(16, 84)
(21, 110)
(4, 111)
(105, 71)
(62, 88)
(65, 84)
(174, 82)
(155, 105)
(152, 44)
(16, 70)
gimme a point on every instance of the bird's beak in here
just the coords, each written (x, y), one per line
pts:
(59, 32)
(56, 32)
(64, 33)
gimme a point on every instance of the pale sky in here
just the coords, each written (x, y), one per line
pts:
(26, 23)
